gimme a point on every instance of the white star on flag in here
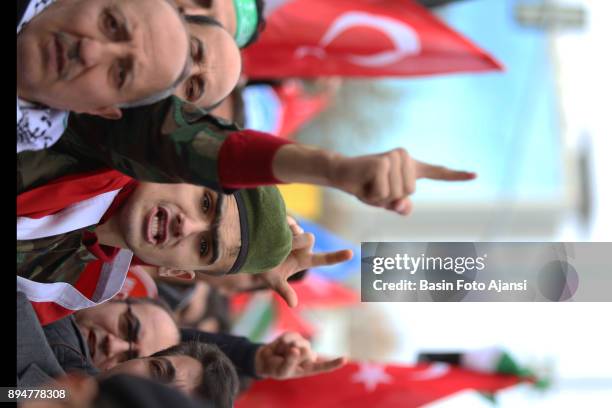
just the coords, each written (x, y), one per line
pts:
(371, 375)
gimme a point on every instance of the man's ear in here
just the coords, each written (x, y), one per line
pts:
(109, 112)
(176, 273)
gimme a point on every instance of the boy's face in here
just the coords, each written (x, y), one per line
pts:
(181, 226)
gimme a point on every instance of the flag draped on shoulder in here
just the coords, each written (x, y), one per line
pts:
(360, 38)
(67, 205)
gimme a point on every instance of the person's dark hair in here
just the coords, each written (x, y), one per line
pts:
(219, 378)
(261, 23)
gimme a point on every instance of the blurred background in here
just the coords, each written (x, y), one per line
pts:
(538, 135)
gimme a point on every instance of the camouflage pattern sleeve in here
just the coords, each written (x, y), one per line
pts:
(38, 167)
(167, 142)
(60, 258)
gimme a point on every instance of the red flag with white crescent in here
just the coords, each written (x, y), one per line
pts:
(360, 38)
(361, 385)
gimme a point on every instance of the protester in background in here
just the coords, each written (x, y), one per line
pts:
(288, 356)
(197, 305)
(195, 368)
(216, 63)
(45, 352)
(41, 352)
(119, 330)
(99, 339)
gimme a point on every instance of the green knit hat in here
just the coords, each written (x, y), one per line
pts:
(264, 231)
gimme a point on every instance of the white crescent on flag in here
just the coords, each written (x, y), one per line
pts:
(405, 39)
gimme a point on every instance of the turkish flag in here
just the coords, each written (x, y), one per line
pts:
(360, 38)
(361, 385)
(309, 38)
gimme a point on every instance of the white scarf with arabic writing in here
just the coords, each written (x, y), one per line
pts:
(38, 127)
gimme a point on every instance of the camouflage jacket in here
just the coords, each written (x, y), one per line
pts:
(167, 142)
(59, 258)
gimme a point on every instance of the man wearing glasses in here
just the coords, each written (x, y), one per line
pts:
(121, 330)
(103, 338)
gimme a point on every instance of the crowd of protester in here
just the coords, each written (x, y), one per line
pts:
(129, 158)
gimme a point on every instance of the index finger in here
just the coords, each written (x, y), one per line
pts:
(323, 366)
(330, 258)
(430, 171)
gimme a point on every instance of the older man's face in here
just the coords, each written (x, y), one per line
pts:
(117, 331)
(92, 55)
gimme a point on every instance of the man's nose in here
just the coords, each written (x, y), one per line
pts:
(93, 52)
(115, 345)
(185, 226)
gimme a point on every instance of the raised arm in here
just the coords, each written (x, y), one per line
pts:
(382, 180)
(174, 142)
